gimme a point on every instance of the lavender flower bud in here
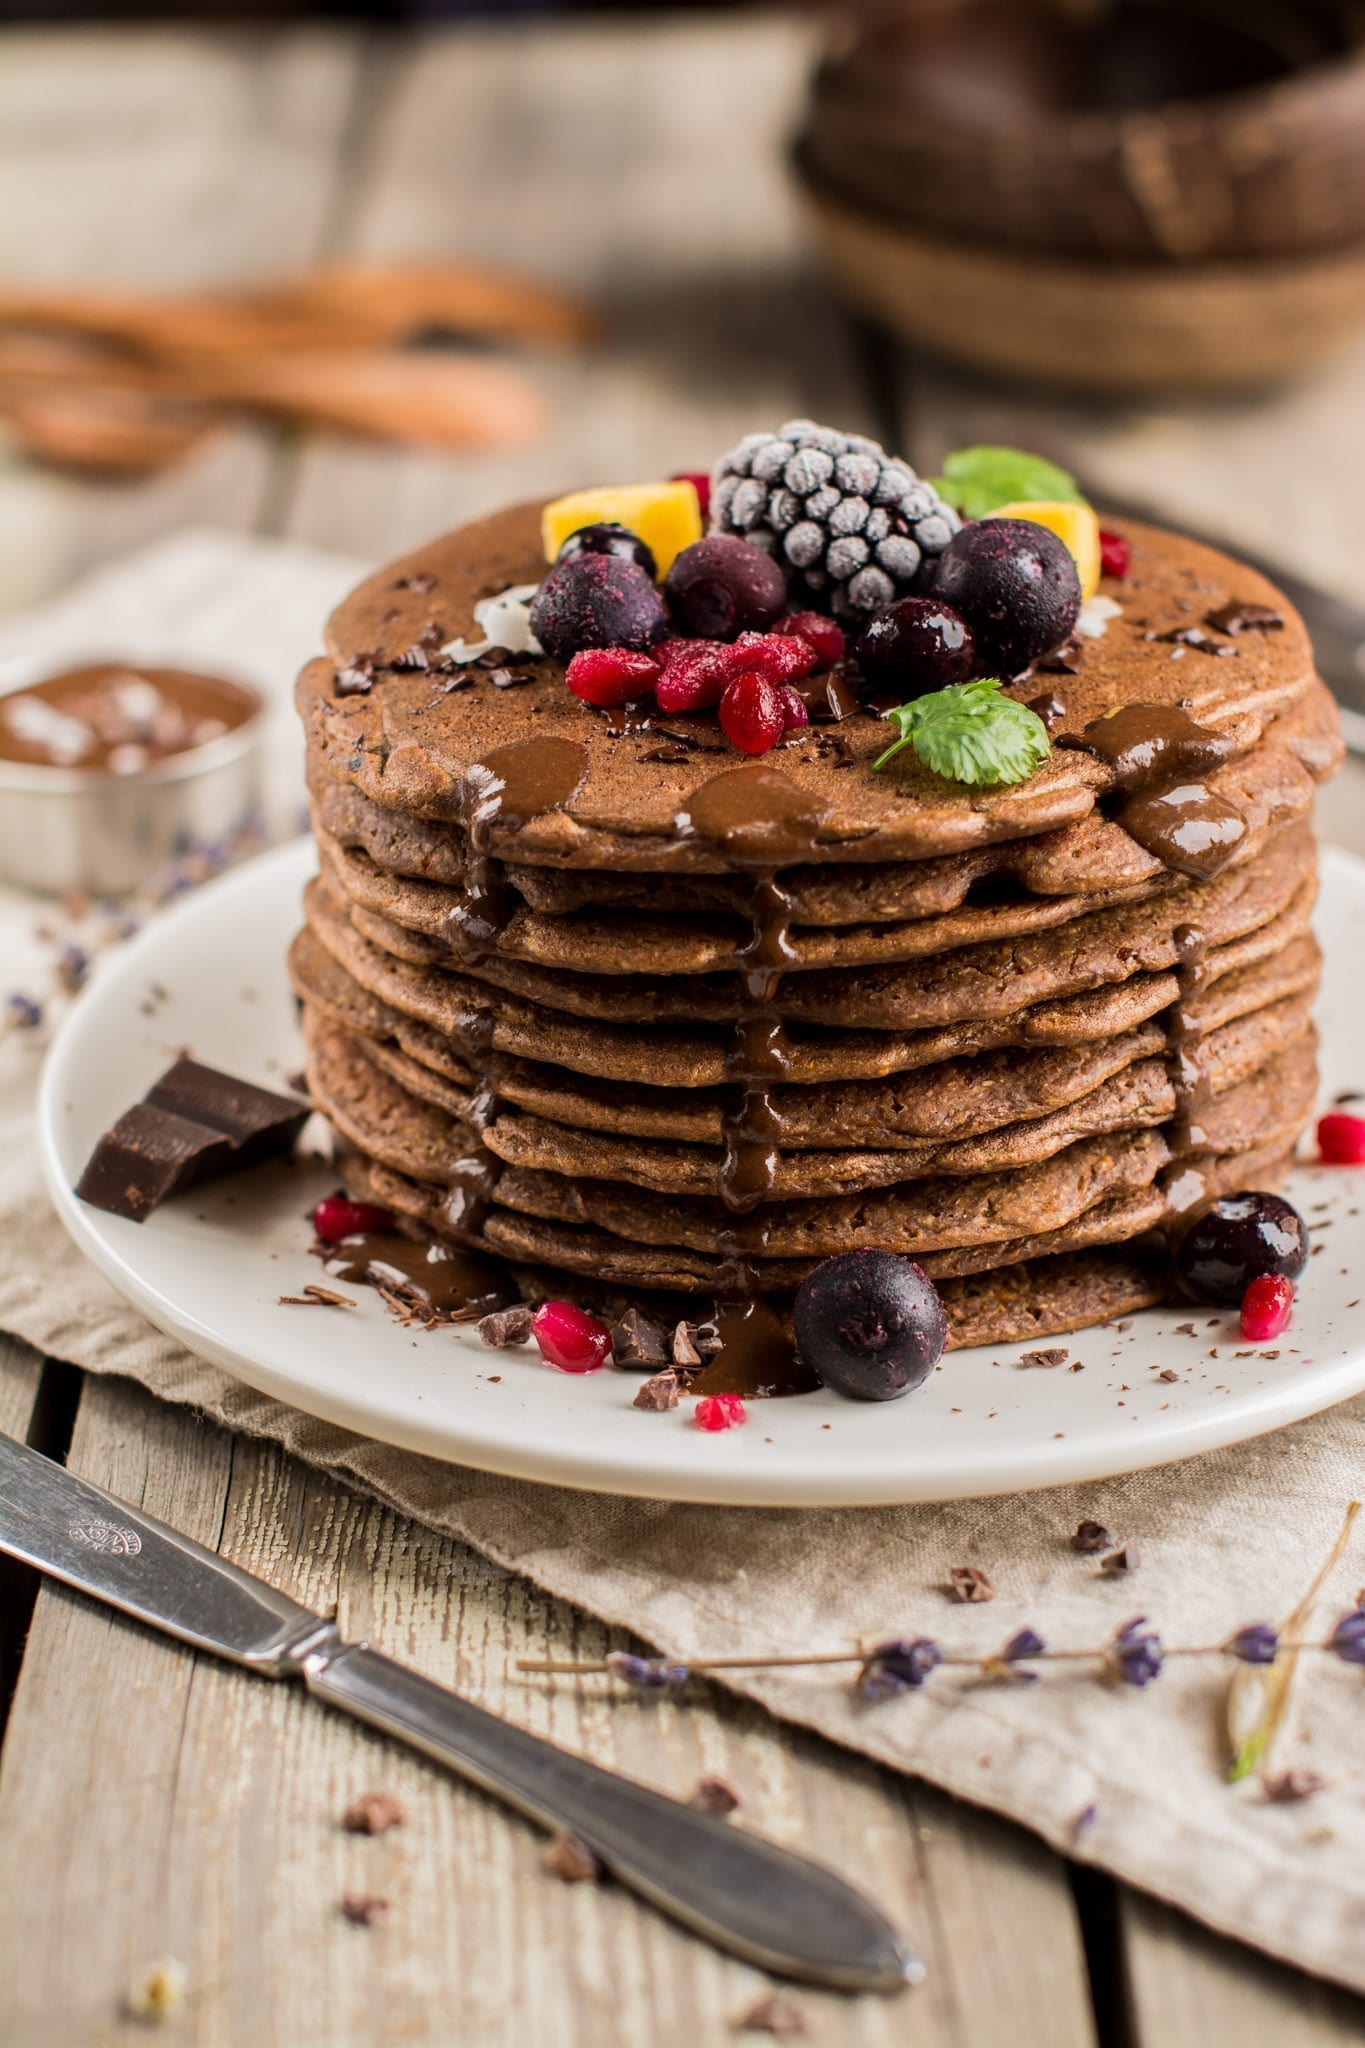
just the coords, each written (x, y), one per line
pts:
(24, 1013)
(1257, 1643)
(646, 1674)
(73, 968)
(1007, 1662)
(1348, 1637)
(898, 1667)
(1135, 1654)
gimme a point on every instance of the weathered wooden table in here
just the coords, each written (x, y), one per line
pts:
(155, 1804)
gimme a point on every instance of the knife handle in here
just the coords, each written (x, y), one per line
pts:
(760, 1901)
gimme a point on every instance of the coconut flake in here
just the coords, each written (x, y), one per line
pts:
(506, 622)
(1095, 615)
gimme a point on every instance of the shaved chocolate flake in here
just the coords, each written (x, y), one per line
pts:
(660, 1393)
(685, 1352)
(636, 1341)
(316, 1297)
(1245, 618)
(774, 2014)
(1169, 1376)
(356, 678)
(715, 1795)
(509, 678)
(419, 584)
(572, 1860)
(1185, 1330)
(1192, 636)
(969, 1584)
(506, 1327)
(1056, 1355)
(1288, 1786)
(363, 1909)
(373, 1813)
(672, 755)
(1091, 1537)
(493, 657)
(1120, 1564)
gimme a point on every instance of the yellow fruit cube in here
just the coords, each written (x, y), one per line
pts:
(1075, 525)
(667, 517)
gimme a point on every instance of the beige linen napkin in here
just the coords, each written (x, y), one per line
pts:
(1132, 1780)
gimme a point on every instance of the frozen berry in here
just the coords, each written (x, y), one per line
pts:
(337, 1216)
(1238, 1240)
(822, 634)
(1341, 1139)
(692, 674)
(752, 714)
(781, 657)
(608, 537)
(569, 1338)
(1016, 586)
(1115, 554)
(1267, 1307)
(793, 704)
(723, 586)
(720, 1411)
(916, 645)
(597, 601)
(701, 483)
(871, 1324)
(611, 675)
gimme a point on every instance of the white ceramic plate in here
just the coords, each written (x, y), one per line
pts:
(208, 1268)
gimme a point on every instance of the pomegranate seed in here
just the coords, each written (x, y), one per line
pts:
(781, 657)
(337, 1216)
(720, 1411)
(818, 632)
(1115, 554)
(569, 1338)
(701, 484)
(1341, 1139)
(611, 675)
(752, 715)
(1267, 1306)
(694, 675)
(793, 706)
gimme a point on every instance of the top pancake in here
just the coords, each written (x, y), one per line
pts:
(408, 740)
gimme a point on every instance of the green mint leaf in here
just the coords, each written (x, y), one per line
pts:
(972, 733)
(975, 481)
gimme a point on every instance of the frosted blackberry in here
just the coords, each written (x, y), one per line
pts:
(854, 527)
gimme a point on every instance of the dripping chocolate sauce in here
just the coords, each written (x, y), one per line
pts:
(1161, 758)
(512, 785)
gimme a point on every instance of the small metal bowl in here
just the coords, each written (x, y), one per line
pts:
(65, 829)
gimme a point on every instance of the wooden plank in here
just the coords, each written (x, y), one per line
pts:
(192, 1811)
(151, 157)
(641, 165)
(20, 1371)
(1188, 1985)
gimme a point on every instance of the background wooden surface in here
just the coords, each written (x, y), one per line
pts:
(155, 1804)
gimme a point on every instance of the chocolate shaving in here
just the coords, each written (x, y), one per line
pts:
(373, 1813)
(506, 1327)
(776, 2015)
(685, 1352)
(636, 1341)
(1245, 618)
(316, 1297)
(1091, 1537)
(1191, 636)
(356, 678)
(1055, 1355)
(1120, 1564)
(420, 584)
(572, 1860)
(969, 1584)
(715, 1795)
(509, 678)
(659, 1393)
(362, 1909)
(493, 657)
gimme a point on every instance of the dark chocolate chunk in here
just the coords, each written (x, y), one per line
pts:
(1245, 618)
(192, 1124)
(636, 1341)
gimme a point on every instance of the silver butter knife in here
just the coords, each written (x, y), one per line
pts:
(745, 1894)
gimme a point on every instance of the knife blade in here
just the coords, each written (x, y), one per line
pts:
(760, 1901)
(1335, 626)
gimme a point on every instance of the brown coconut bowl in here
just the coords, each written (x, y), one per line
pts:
(1144, 195)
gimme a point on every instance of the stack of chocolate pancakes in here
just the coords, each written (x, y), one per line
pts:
(592, 992)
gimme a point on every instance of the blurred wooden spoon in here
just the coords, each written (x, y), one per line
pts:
(106, 432)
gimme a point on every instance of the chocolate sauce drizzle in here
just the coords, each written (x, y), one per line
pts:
(512, 785)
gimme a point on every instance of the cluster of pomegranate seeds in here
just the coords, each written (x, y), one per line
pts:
(569, 1338)
(720, 1411)
(694, 674)
(822, 634)
(1266, 1307)
(1115, 554)
(337, 1216)
(1341, 1139)
(752, 678)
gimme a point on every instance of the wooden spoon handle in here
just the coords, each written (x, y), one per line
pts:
(432, 400)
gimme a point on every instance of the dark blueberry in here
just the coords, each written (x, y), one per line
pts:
(724, 586)
(610, 538)
(1016, 586)
(1239, 1239)
(597, 601)
(916, 645)
(871, 1324)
